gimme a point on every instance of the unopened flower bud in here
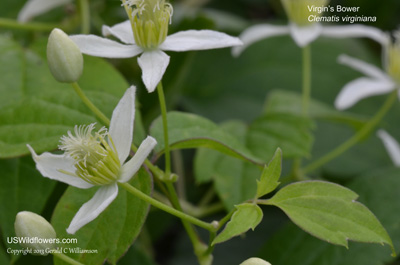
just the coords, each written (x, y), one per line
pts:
(37, 233)
(255, 261)
(64, 57)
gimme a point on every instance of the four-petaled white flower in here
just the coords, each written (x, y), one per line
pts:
(146, 33)
(391, 145)
(302, 30)
(97, 159)
(33, 8)
(377, 81)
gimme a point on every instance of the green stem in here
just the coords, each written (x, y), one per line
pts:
(368, 127)
(14, 24)
(306, 52)
(66, 258)
(163, 108)
(89, 104)
(165, 207)
(85, 16)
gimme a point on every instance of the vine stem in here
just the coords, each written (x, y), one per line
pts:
(165, 207)
(306, 53)
(85, 16)
(163, 108)
(14, 24)
(89, 104)
(365, 130)
(66, 258)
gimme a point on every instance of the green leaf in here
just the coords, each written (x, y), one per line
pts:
(270, 175)
(192, 131)
(22, 188)
(291, 133)
(329, 211)
(379, 190)
(113, 231)
(234, 180)
(38, 110)
(247, 216)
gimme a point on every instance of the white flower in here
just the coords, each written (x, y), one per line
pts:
(146, 33)
(391, 145)
(34, 8)
(377, 81)
(97, 160)
(303, 31)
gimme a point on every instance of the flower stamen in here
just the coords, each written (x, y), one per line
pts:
(96, 161)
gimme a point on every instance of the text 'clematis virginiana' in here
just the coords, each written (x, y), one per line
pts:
(377, 81)
(146, 33)
(302, 30)
(97, 159)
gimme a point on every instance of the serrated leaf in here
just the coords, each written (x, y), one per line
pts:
(38, 110)
(113, 231)
(247, 216)
(270, 175)
(22, 188)
(379, 190)
(329, 211)
(191, 131)
(291, 133)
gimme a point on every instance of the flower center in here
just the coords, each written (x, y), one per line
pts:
(299, 11)
(393, 58)
(150, 20)
(95, 161)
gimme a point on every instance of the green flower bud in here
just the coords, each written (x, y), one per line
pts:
(255, 261)
(64, 57)
(35, 231)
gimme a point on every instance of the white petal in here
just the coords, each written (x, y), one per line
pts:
(133, 165)
(361, 88)
(191, 40)
(33, 8)
(153, 65)
(121, 125)
(256, 33)
(122, 31)
(101, 47)
(304, 35)
(363, 67)
(95, 206)
(356, 31)
(49, 166)
(392, 146)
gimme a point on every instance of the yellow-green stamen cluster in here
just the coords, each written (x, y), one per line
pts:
(96, 162)
(150, 20)
(299, 11)
(393, 59)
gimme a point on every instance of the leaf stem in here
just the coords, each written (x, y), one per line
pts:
(66, 258)
(14, 24)
(163, 108)
(85, 16)
(89, 104)
(166, 208)
(364, 131)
